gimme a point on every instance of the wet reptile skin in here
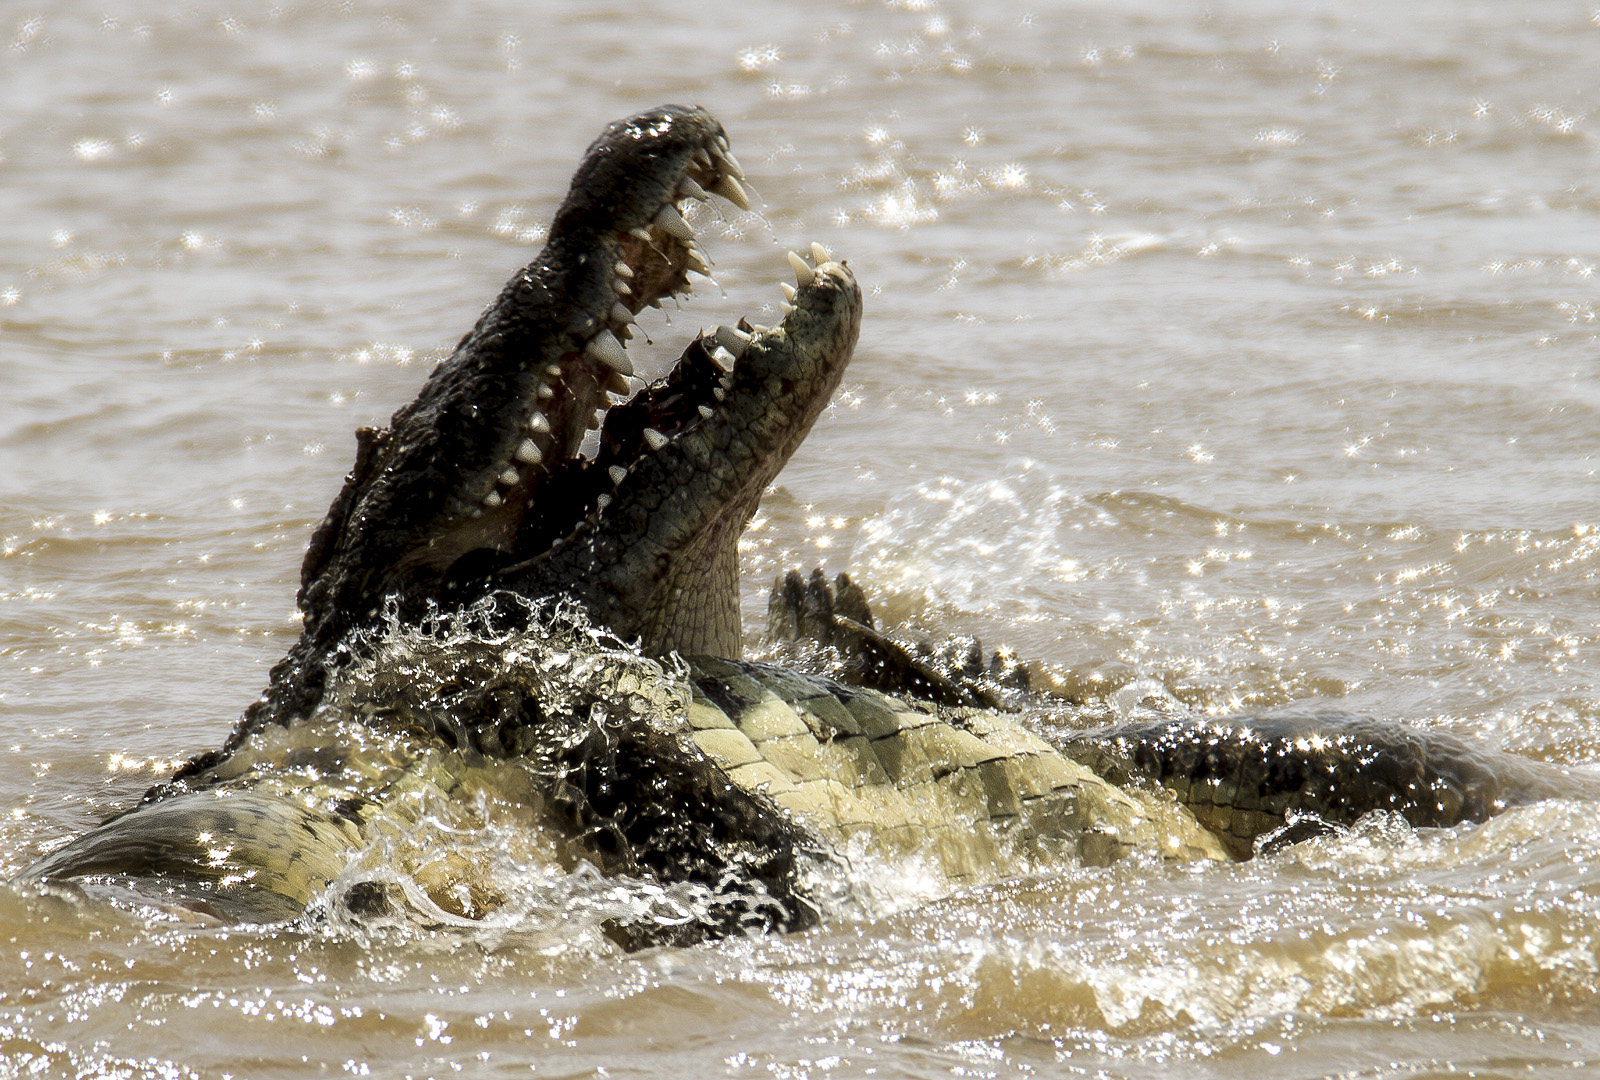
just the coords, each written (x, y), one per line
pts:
(431, 693)
(1245, 777)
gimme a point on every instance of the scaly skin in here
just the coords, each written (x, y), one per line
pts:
(474, 512)
(1302, 771)
(1271, 779)
(446, 487)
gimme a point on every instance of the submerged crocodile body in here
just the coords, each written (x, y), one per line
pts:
(471, 601)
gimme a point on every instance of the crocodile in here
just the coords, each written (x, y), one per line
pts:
(523, 606)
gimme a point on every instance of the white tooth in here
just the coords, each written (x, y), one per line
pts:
(492, 499)
(508, 477)
(617, 385)
(654, 438)
(786, 308)
(693, 190)
(802, 270)
(553, 370)
(538, 424)
(528, 453)
(819, 254)
(723, 358)
(727, 156)
(702, 158)
(618, 474)
(718, 392)
(545, 393)
(729, 189)
(787, 290)
(624, 270)
(669, 221)
(641, 233)
(697, 260)
(705, 412)
(622, 289)
(722, 142)
(733, 339)
(605, 348)
(621, 314)
(602, 501)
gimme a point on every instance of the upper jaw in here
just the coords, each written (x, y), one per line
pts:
(454, 474)
(619, 243)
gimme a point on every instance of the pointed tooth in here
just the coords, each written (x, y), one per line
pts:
(640, 233)
(723, 359)
(508, 476)
(622, 289)
(733, 339)
(602, 501)
(538, 424)
(719, 393)
(528, 453)
(624, 270)
(669, 221)
(545, 393)
(688, 187)
(621, 314)
(702, 158)
(616, 384)
(802, 270)
(605, 348)
(787, 290)
(786, 308)
(618, 474)
(729, 189)
(819, 254)
(492, 499)
(728, 160)
(697, 260)
(553, 370)
(705, 412)
(654, 438)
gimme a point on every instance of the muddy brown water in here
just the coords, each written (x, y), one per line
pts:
(1250, 345)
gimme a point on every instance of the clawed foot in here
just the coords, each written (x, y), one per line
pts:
(836, 622)
(817, 624)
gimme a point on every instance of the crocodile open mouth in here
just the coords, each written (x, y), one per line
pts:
(481, 481)
(643, 255)
(706, 391)
(643, 527)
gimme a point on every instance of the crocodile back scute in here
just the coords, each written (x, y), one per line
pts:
(972, 789)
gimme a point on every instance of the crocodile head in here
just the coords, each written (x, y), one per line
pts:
(482, 482)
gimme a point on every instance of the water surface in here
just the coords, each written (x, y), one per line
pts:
(1254, 348)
